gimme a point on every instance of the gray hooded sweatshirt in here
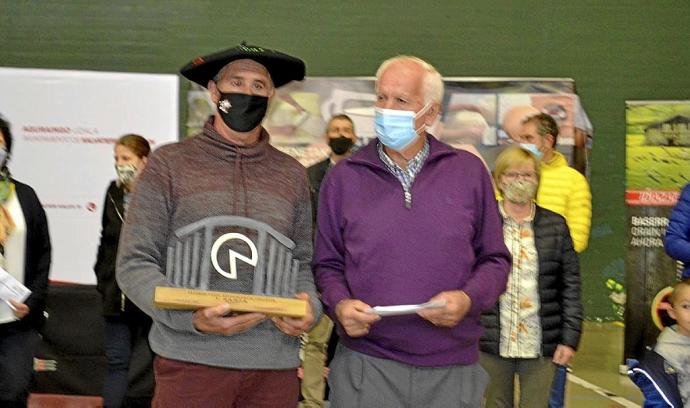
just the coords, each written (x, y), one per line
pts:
(675, 349)
(211, 215)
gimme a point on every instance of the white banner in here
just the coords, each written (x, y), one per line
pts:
(64, 125)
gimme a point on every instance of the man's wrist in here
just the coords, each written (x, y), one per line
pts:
(340, 302)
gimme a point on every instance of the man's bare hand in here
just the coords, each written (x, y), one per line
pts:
(456, 307)
(293, 326)
(220, 320)
(353, 318)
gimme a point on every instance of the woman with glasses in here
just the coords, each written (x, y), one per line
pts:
(536, 323)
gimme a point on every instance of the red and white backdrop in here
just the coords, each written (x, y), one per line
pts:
(64, 125)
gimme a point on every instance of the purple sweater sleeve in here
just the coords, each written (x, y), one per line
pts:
(493, 260)
(329, 248)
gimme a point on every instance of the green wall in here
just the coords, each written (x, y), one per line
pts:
(615, 50)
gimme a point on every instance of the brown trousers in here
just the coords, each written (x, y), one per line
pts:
(181, 384)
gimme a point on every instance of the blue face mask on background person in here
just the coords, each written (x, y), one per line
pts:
(532, 148)
(395, 128)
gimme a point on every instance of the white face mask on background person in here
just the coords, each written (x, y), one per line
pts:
(396, 128)
(126, 173)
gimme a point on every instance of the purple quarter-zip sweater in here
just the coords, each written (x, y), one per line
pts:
(370, 247)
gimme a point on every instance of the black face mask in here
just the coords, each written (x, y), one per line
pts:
(340, 145)
(242, 112)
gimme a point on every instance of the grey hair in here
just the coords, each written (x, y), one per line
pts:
(432, 83)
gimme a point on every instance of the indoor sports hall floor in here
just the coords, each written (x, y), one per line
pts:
(595, 381)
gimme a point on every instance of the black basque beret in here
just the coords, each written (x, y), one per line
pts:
(283, 68)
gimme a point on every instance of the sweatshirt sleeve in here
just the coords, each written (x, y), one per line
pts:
(329, 256)
(142, 250)
(677, 239)
(492, 258)
(304, 249)
(578, 213)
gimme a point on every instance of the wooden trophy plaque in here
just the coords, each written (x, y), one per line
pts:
(182, 298)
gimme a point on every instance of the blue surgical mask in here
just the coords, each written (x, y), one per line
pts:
(395, 128)
(532, 148)
(3, 156)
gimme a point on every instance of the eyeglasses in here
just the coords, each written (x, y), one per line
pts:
(515, 175)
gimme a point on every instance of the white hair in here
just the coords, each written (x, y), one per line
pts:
(432, 83)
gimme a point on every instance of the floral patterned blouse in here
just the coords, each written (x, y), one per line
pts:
(519, 305)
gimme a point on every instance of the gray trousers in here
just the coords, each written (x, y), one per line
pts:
(361, 381)
(535, 374)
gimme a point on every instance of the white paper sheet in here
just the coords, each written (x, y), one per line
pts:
(11, 288)
(404, 309)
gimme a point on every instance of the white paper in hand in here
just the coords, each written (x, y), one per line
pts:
(11, 288)
(405, 309)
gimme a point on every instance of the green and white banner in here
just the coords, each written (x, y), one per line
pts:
(657, 168)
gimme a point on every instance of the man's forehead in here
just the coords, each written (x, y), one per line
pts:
(339, 122)
(246, 65)
(529, 128)
(406, 73)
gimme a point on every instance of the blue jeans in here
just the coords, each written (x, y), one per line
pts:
(118, 350)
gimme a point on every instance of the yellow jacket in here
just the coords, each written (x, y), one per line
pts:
(565, 191)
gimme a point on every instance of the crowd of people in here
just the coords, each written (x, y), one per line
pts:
(489, 259)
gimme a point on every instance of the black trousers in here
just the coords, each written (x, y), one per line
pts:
(18, 345)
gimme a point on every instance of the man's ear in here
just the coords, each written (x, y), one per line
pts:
(213, 91)
(432, 113)
(550, 140)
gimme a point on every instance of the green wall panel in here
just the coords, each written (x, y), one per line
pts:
(615, 51)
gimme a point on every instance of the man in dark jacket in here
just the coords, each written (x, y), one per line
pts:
(341, 136)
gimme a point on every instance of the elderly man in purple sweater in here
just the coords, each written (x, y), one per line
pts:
(408, 220)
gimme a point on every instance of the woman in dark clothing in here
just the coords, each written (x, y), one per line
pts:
(537, 322)
(129, 377)
(25, 254)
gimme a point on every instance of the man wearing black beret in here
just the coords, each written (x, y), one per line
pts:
(224, 210)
